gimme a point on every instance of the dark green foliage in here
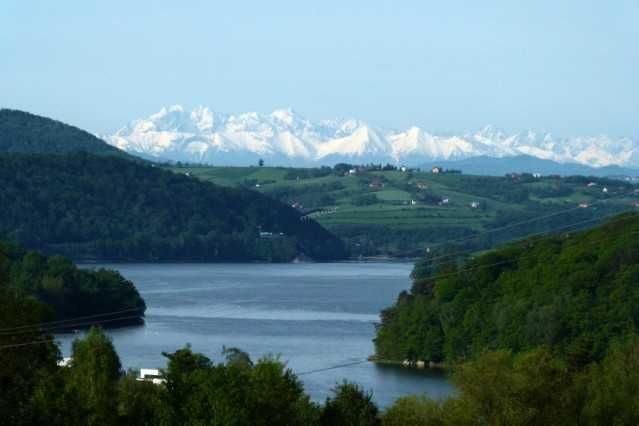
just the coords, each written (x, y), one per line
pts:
(414, 411)
(26, 354)
(300, 174)
(93, 391)
(70, 292)
(142, 403)
(86, 206)
(235, 393)
(22, 132)
(350, 406)
(532, 389)
(366, 239)
(93, 377)
(365, 200)
(310, 196)
(573, 293)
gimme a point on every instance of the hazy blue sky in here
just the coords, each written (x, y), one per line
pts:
(570, 67)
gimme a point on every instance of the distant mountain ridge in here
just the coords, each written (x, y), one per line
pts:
(284, 137)
(493, 166)
(25, 133)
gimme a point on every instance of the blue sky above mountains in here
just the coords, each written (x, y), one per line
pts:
(566, 67)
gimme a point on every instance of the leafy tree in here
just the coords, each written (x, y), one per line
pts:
(237, 392)
(414, 411)
(610, 386)
(26, 353)
(350, 406)
(94, 375)
(142, 403)
(235, 356)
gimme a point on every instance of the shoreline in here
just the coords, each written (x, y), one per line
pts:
(411, 365)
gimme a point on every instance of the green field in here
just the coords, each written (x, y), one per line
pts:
(390, 212)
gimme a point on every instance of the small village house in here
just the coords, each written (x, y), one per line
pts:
(152, 375)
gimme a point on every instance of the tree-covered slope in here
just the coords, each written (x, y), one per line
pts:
(103, 207)
(575, 293)
(22, 132)
(87, 297)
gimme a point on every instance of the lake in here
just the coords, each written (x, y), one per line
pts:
(318, 317)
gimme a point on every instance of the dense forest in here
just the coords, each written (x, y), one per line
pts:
(574, 293)
(88, 297)
(104, 207)
(22, 132)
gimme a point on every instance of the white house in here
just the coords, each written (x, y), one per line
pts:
(152, 375)
(65, 362)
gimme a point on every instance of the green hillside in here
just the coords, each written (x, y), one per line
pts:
(104, 207)
(573, 293)
(390, 212)
(22, 132)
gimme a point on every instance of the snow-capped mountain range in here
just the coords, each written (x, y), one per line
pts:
(284, 137)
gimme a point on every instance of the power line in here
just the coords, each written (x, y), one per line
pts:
(71, 322)
(46, 323)
(334, 367)
(540, 234)
(36, 342)
(439, 276)
(526, 221)
(61, 327)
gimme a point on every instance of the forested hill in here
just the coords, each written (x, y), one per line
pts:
(88, 297)
(574, 293)
(22, 132)
(104, 207)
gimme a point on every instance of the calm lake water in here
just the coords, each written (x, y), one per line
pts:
(314, 315)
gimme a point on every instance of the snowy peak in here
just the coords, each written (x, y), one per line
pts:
(284, 137)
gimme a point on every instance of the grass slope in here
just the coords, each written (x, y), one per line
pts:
(397, 213)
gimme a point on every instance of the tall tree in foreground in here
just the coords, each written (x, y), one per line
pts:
(94, 375)
(26, 353)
